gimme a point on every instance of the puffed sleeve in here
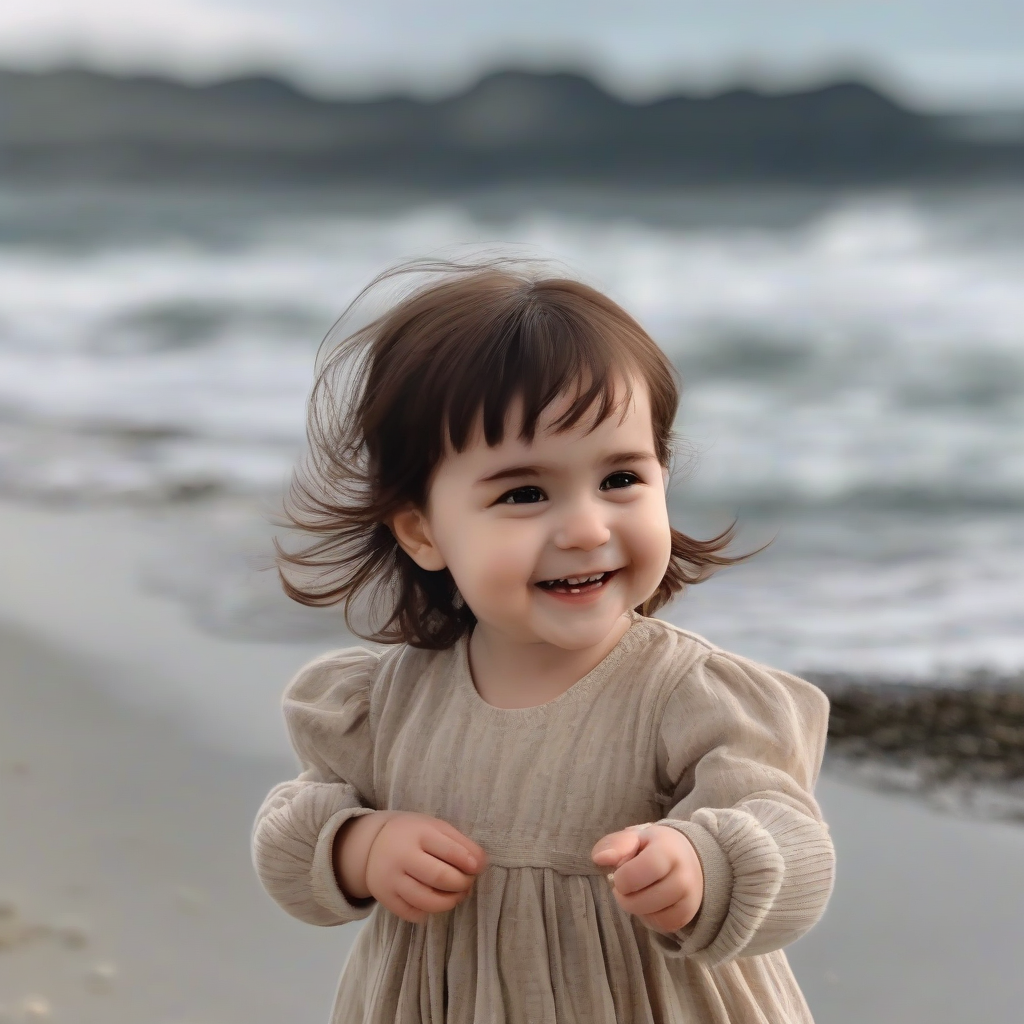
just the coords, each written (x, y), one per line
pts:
(740, 748)
(326, 709)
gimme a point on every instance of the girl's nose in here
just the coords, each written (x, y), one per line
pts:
(582, 527)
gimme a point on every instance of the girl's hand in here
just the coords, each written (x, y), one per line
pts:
(657, 874)
(419, 865)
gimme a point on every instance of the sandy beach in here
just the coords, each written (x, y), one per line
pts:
(128, 784)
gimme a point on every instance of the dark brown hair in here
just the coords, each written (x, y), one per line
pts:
(393, 396)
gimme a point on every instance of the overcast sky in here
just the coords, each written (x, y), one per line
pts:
(936, 53)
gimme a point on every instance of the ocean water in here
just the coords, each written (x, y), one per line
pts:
(853, 367)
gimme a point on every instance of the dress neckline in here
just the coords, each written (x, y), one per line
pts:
(631, 640)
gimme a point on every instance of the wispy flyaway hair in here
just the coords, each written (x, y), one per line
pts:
(393, 396)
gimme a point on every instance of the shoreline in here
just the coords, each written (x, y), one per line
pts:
(77, 576)
(84, 578)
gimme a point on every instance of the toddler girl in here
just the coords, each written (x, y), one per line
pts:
(552, 807)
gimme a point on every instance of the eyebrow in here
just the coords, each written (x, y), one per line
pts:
(521, 471)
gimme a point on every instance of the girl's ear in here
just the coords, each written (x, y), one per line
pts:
(412, 531)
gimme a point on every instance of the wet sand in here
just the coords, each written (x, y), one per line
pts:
(126, 892)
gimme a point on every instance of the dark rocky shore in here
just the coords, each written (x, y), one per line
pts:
(959, 745)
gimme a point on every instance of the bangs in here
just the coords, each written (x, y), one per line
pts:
(468, 350)
(537, 356)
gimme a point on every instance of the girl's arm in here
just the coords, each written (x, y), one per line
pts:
(352, 851)
(740, 750)
(326, 708)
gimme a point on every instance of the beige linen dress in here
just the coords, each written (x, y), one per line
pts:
(667, 728)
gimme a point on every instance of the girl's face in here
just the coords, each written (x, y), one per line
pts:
(524, 529)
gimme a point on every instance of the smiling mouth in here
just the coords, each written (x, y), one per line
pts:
(578, 584)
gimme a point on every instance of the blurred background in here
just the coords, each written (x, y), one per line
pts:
(816, 209)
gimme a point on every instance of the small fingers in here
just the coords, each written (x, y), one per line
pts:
(649, 866)
(422, 897)
(613, 848)
(406, 911)
(438, 874)
(671, 919)
(654, 898)
(449, 844)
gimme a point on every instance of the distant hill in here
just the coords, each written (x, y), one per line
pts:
(510, 127)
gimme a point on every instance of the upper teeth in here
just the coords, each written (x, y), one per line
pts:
(575, 581)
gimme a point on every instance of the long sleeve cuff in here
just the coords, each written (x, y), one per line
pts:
(324, 886)
(293, 847)
(768, 874)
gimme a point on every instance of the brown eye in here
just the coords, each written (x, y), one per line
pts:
(522, 496)
(617, 480)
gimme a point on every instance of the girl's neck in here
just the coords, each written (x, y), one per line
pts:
(510, 675)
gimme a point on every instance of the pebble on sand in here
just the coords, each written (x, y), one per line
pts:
(101, 977)
(71, 932)
(36, 1008)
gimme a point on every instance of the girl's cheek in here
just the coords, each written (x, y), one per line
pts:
(490, 562)
(510, 563)
(511, 557)
(652, 540)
